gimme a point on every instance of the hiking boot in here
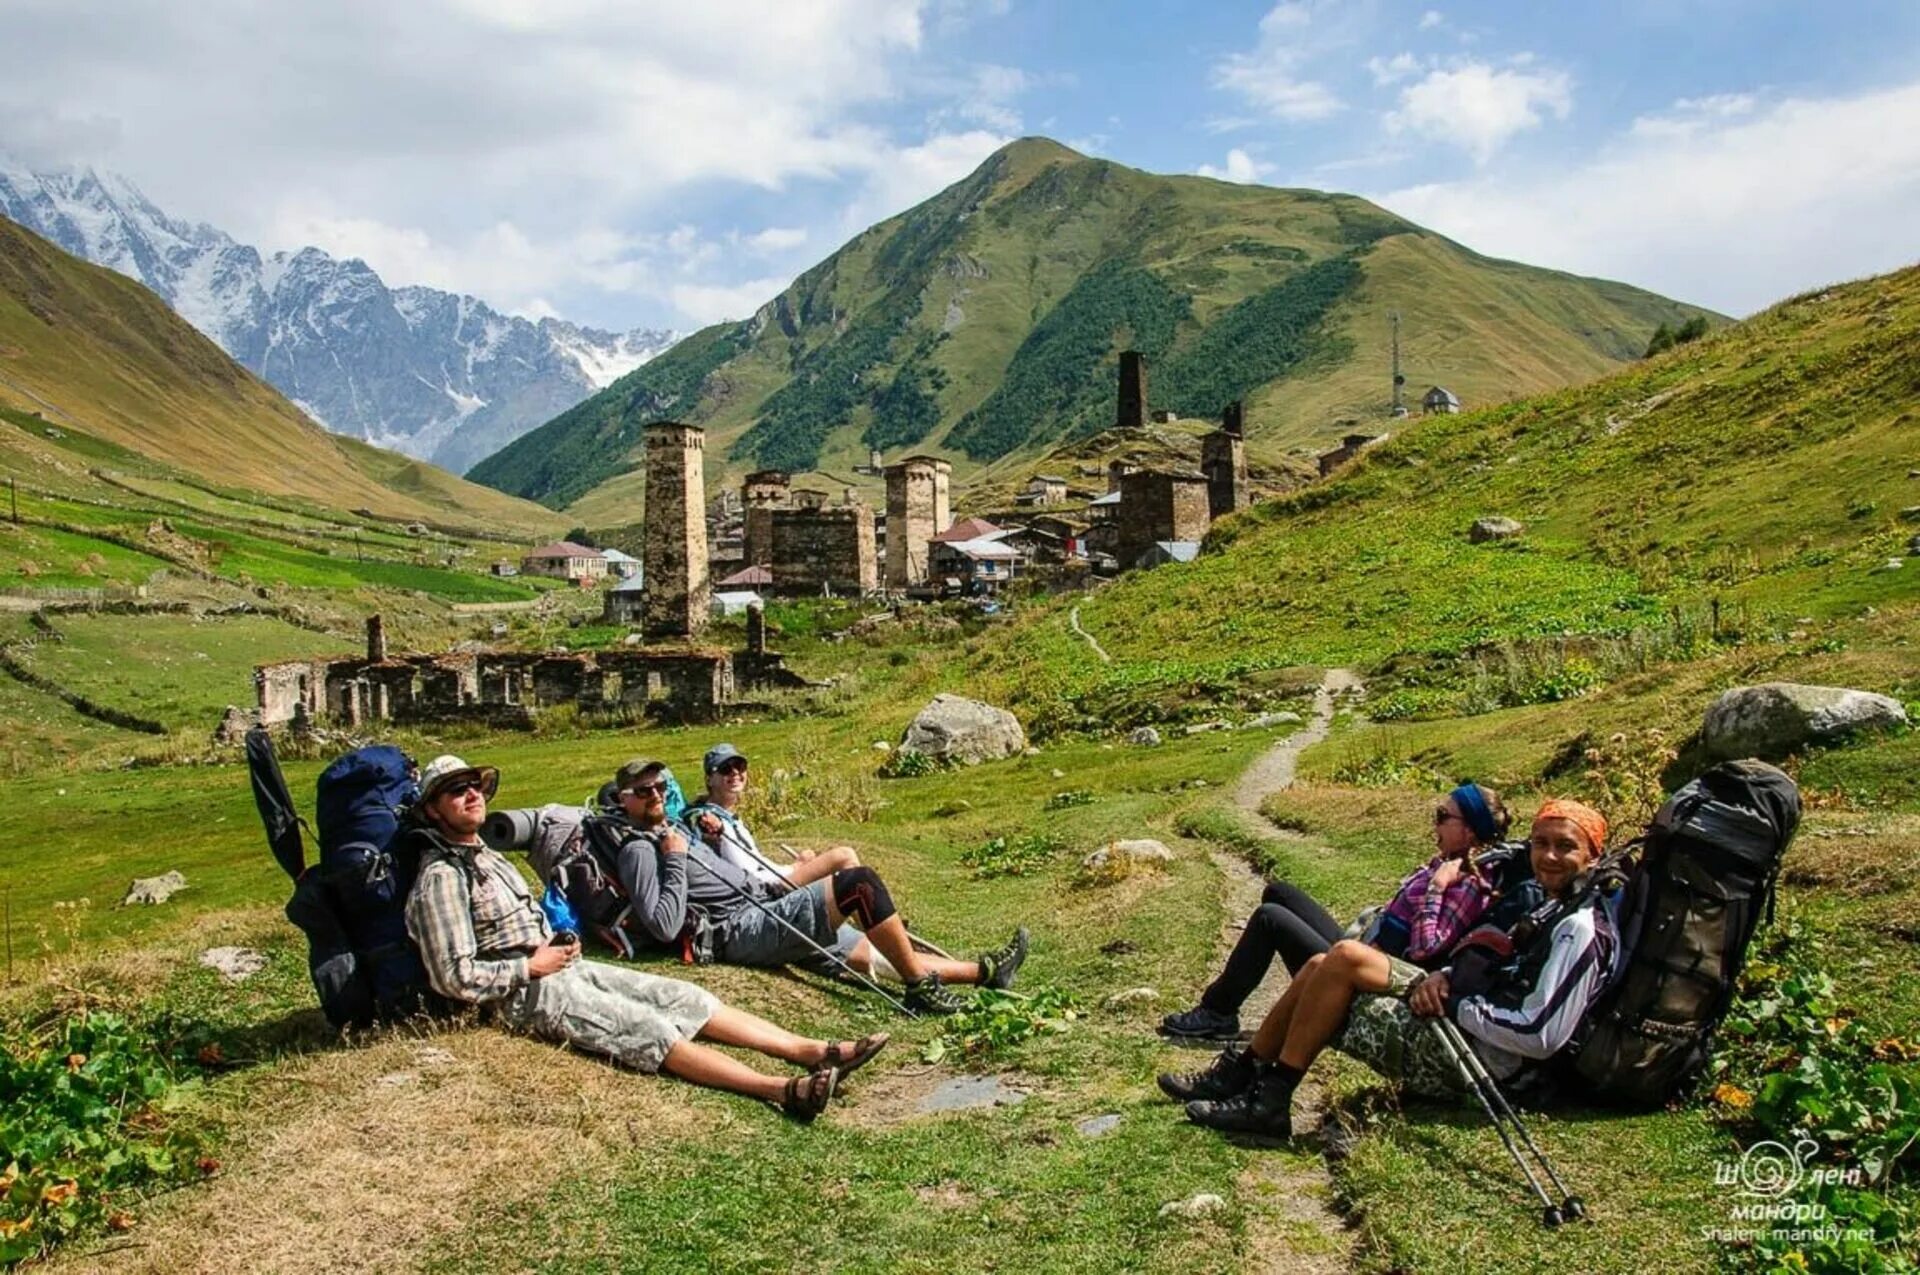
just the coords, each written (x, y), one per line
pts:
(929, 998)
(998, 967)
(1264, 1108)
(1201, 1023)
(1231, 1071)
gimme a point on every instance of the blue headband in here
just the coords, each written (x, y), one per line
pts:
(1473, 807)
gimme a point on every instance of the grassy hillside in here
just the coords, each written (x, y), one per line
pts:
(984, 325)
(1763, 470)
(88, 349)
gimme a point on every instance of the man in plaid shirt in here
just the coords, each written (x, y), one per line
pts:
(485, 942)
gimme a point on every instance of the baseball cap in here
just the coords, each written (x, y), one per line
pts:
(720, 754)
(633, 769)
(446, 768)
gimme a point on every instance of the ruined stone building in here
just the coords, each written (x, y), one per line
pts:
(1223, 459)
(676, 566)
(824, 549)
(1351, 445)
(1160, 505)
(918, 509)
(763, 492)
(509, 687)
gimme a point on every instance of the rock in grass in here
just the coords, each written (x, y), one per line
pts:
(955, 729)
(1487, 529)
(1265, 720)
(1205, 1204)
(1132, 998)
(233, 726)
(1145, 737)
(1776, 718)
(1097, 1126)
(1129, 854)
(154, 889)
(234, 964)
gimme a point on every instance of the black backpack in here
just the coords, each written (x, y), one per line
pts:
(351, 905)
(1706, 873)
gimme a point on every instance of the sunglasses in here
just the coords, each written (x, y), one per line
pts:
(732, 768)
(642, 790)
(461, 787)
(1442, 815)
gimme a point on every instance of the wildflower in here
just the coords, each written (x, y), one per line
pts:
(59, 1193)
(76, 1061)
(1732, 1096)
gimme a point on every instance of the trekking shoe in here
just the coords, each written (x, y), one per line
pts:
(1264, 1108)
(1228, 1075)
(998, 967)
(1201, 1023)
(929, 998)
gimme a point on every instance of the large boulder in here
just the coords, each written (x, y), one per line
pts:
(1776, 718)
(1485, 529)
(956, 729)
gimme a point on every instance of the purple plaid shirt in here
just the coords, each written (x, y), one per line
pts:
(1437, 919)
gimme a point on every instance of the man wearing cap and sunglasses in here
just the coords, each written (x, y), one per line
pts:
(485, 942)
(755, 918)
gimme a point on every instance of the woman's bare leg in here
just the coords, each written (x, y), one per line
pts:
(1349, 969)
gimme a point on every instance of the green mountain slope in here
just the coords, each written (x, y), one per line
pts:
(94, 351)
(1763, 474)
(984, 325)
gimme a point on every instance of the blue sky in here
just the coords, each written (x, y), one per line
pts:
(665, 164)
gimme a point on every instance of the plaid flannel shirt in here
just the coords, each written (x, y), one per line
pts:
(1435, 919)
(475, 920)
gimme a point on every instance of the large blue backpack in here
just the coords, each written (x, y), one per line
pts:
(351, 905)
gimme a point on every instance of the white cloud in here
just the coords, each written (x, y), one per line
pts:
(1431, 19)
(707, 303)
(914, 173)
(1269, 77)
(1400, 66)
(472, 144)
(1240, 167)
(1751, 204)
(1690, 114)
(777, 239)
(1479, 108)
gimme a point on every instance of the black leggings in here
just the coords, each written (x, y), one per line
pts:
(1287, 922)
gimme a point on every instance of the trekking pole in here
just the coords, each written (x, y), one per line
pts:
(806, 938)
(922, 945)
(1572, 1207)
(1498, 1113)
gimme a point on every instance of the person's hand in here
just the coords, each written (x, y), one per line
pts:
(672, 842)
(1444, 876)
(551, 958)
(1429, 996)
(805, 856)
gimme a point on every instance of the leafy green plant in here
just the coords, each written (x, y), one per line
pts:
(1000, 1021)
(1013, 856)
(908, 763)
(83, 1125)
(1069, 799)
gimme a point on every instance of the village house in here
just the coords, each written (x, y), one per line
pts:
(625, 602)
(973, 567)
(565, 560)
(621, 566)
(1438, 401)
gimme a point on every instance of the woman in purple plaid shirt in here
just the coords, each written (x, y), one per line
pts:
(1429, 913)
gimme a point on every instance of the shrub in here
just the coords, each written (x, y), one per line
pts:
(999, 1021)
(1013, 856)
(908, 763)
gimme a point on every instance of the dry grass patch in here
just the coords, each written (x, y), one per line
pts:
(1855, 855)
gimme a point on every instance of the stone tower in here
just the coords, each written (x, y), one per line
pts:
(1158, 505)
(678, 589)
(1133, 390)
(1223, 458)
(763, 492)
(918, 509)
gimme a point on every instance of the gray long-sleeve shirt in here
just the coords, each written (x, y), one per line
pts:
(655, 881)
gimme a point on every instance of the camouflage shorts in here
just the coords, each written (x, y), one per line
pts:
(1383, 1033)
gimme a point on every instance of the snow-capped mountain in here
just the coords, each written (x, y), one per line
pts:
(443, 377)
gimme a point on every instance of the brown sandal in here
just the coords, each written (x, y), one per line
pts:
(859, 1056)
(807, 1096)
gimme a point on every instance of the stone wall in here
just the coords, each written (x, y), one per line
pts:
(918, 509)
(1160, 505)
(829, 549)
(678, 587)
(763, 492)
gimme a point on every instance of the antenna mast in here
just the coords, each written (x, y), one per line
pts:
(1399, 408)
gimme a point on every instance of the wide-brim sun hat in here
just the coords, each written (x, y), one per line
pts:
(446, 768)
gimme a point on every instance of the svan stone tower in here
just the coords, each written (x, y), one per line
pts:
(1223, 459)
(1133, 391)
(763, 492)
(918, 509)
(678, 588)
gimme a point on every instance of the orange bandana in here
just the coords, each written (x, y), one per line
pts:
(1591, 823)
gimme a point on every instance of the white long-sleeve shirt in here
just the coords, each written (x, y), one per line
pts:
(1577, 967)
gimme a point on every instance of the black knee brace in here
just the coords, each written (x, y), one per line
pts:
(863, 896)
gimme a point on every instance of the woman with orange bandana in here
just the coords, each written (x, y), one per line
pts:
(1527, 1011)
